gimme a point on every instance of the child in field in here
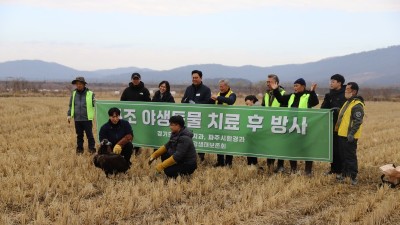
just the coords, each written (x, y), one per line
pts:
(250, 100)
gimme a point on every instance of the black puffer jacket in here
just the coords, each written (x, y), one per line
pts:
(334, 100)
(181, 147)
(136, 93)
(166, 97)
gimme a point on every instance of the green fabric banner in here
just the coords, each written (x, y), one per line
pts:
(280, 133)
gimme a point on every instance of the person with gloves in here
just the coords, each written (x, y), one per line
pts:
(178, 155)
(81, 110)
(119, 133)
(348, 126)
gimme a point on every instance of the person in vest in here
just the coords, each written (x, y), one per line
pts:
(136, 92)
(334, 100)
(197, 93)
(119, 133)
(164, 93)
(301, 98)
(81, 109)
(250, 100)
(269, 100)
(225, 96)
(349, 126)
(178, 155)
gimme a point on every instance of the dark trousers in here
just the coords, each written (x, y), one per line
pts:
(308, 169)
(336, 165)
(179, 169)
(252, 161)
(201, 156)
(136, 150)
(84, 126)
(224, 159)
(348, 154)
(127, 151)
(272, 161)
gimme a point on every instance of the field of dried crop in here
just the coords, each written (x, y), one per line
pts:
(43, 181)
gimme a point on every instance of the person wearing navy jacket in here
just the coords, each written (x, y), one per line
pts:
(119, 133)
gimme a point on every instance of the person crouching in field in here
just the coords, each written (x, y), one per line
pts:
(119, 133)
(81, 109)
(178, 155)
(250, 100)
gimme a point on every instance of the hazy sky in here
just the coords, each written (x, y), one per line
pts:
(159, 34)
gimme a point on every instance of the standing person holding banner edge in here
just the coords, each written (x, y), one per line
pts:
(301, 98)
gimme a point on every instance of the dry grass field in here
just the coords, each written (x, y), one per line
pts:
(43, 181)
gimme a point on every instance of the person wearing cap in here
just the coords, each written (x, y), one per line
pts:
(349, 126)
(136, 91)
(225, 96)
(301, 98)
(197, 93)
(269, 100)
(178, 155)
(334, 100)
(81, 109)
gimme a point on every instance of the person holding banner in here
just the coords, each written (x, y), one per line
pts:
(119, 133)
(164, 93)
(136, 92)
(81, 109)
(225, 96)
(178, 155)
(250, 100)
(197, 93)
(349, 126)
(301, 98)
(269, 100)
(334, 100)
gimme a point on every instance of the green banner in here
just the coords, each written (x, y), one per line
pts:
(280, 133)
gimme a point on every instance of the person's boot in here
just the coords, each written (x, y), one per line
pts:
(79, 150)
(308, 169)
(201, 156)
(293, 167)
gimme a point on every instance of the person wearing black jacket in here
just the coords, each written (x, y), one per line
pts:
(197, 93)
(225, 96)
(164, 94)
(301, 98)
(119, 133)
(334, 100)
(136, 90)
(178, 155)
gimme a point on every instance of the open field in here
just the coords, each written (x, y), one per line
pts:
(43, 181)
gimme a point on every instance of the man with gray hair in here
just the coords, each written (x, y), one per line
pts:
(225, 96)
(269, 100)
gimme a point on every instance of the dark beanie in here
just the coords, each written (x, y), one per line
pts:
(300, 81)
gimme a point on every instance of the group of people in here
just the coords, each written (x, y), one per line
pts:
(178, 155)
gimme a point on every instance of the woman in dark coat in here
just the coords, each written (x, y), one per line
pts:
(164, 94)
